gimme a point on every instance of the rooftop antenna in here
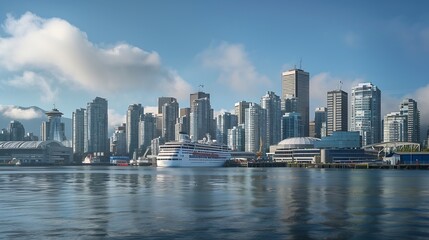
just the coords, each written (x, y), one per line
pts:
(201, 87)
(300, 63)
(340, 84)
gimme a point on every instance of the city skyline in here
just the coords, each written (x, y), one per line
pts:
(233, 62)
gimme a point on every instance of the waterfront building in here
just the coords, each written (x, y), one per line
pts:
(16, 131)
(409, 108)
(272, 105)
(78, 131)
(320, 117)
(201, 116)
(337, 111)
(255, 129)
(118, 142)
(395, 127)
(296, 84)
(147, 130)
(224, 121)
(240, 109)
(340, 140)
(366, 112)
(340, 147)
(35, 152)
(296, 150)
(170, 113)
(164, 100)
(53, 129)
(236, 138)
(291, 125)
(134, 115)
(96, 121)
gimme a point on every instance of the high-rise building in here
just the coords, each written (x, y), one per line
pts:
(366, 112)
(197, 95)
(147, 131)
(164, 100)
(409, 108)
(240, 108)
(291, 125)
(272, 105)
(96, 128)
(201, 116)
(289, 104)
(312, 129)
(337, 116)
(78, 131)
(255, 129)
(224, 121)
(4, 135)
(395, 127)
(53, 129)
(16, 131)
(183, 122)
(134, 115)
(296, 84)
(170, 113)
(118, 142)
(320, 116)
(236, 138)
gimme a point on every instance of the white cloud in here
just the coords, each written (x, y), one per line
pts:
(151, 109)
(18, 113)
(235, 69)
(115, 119)
(413, 36)
(54, 47)
(351, 39)
(221, 111)
(30, 80)
(323, 82)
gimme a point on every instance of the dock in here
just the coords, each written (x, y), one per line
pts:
(263, 164)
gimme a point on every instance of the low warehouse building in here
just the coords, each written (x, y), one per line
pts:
(34, 152)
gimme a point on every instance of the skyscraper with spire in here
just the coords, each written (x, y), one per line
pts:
(337, 111)
(53, 129)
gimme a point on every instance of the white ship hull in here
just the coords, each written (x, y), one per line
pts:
(196, 162)
(192, 154)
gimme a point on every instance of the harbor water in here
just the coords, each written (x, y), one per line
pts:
(102, 202)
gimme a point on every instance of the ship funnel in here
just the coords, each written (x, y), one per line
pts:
(183, 137)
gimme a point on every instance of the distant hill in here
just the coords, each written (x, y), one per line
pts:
(31, 117)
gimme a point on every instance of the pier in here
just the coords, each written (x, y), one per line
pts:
(256, 164)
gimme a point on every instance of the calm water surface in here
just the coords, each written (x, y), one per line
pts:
(212, 203)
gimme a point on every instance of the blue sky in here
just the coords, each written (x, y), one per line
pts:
(68, 52)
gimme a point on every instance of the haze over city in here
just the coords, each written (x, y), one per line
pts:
(57, 53)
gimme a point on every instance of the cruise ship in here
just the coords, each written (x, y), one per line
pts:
(186, 153)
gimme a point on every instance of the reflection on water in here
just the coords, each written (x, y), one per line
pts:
(213, 203)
